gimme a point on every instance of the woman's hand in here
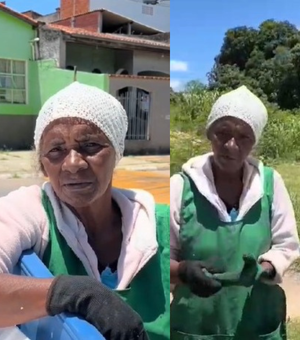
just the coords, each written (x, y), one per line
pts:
(88, 298)
(269, 271)
(192, 273)
(251, 273)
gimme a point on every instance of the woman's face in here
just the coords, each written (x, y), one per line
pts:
(78, 159)
(232, 141)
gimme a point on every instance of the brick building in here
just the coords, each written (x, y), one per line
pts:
(153, 14)
(128, 59)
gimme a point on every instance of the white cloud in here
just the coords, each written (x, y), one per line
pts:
(176, 84)
(178, 66)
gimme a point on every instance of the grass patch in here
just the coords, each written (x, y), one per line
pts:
(294, 329)
(290, 174)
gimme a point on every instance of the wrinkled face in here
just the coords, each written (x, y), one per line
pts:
(232, 141)
(78, 159)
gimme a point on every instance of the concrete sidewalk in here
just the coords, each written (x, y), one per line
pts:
(157, 183)
(24, 164)
(150, 173)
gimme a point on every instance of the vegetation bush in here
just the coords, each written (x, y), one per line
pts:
(189, 111)
(279, 145)
(267, 60)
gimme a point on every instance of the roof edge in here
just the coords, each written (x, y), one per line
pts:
(18, 15)
(108, 37)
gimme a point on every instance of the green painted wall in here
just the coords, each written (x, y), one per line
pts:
(43, 77)
(15, 36)
(45, 80)
(17, 127)
(53, 79)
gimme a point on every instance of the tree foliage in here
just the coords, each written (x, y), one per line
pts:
(267, 60)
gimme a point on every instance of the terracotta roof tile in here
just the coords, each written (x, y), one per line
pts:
(20, 16)
(108, 36)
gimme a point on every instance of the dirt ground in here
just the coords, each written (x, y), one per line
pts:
(291, 286)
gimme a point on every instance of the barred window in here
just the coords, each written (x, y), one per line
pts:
(148, 10)
(13, 81)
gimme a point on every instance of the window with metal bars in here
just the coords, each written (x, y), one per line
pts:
(148, 10)
(13, 89)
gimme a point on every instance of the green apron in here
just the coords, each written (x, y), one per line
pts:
(148, 293)
(237, 313)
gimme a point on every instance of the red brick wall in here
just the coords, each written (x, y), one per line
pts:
(66, 7)
(66, 22)
(89, 21)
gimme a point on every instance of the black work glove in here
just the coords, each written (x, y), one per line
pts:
(104, 309)
(193, 274)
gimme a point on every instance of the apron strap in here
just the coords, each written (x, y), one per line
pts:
(269, 186)
(185, 190)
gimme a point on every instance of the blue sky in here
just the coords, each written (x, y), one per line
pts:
(40, 6)
(198, 28)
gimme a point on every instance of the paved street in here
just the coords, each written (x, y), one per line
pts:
(154, 182)
(141, 172)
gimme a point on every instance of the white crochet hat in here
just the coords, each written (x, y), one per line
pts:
(89, 103)
(243, 104)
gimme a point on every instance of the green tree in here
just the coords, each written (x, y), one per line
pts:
(267, 60)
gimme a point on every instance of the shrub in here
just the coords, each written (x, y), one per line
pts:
(280, 140)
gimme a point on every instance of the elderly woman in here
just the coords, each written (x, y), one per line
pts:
(233, 232)
(107, 248)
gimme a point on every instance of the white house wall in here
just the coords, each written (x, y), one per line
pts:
(151, 61)
(134, 10)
